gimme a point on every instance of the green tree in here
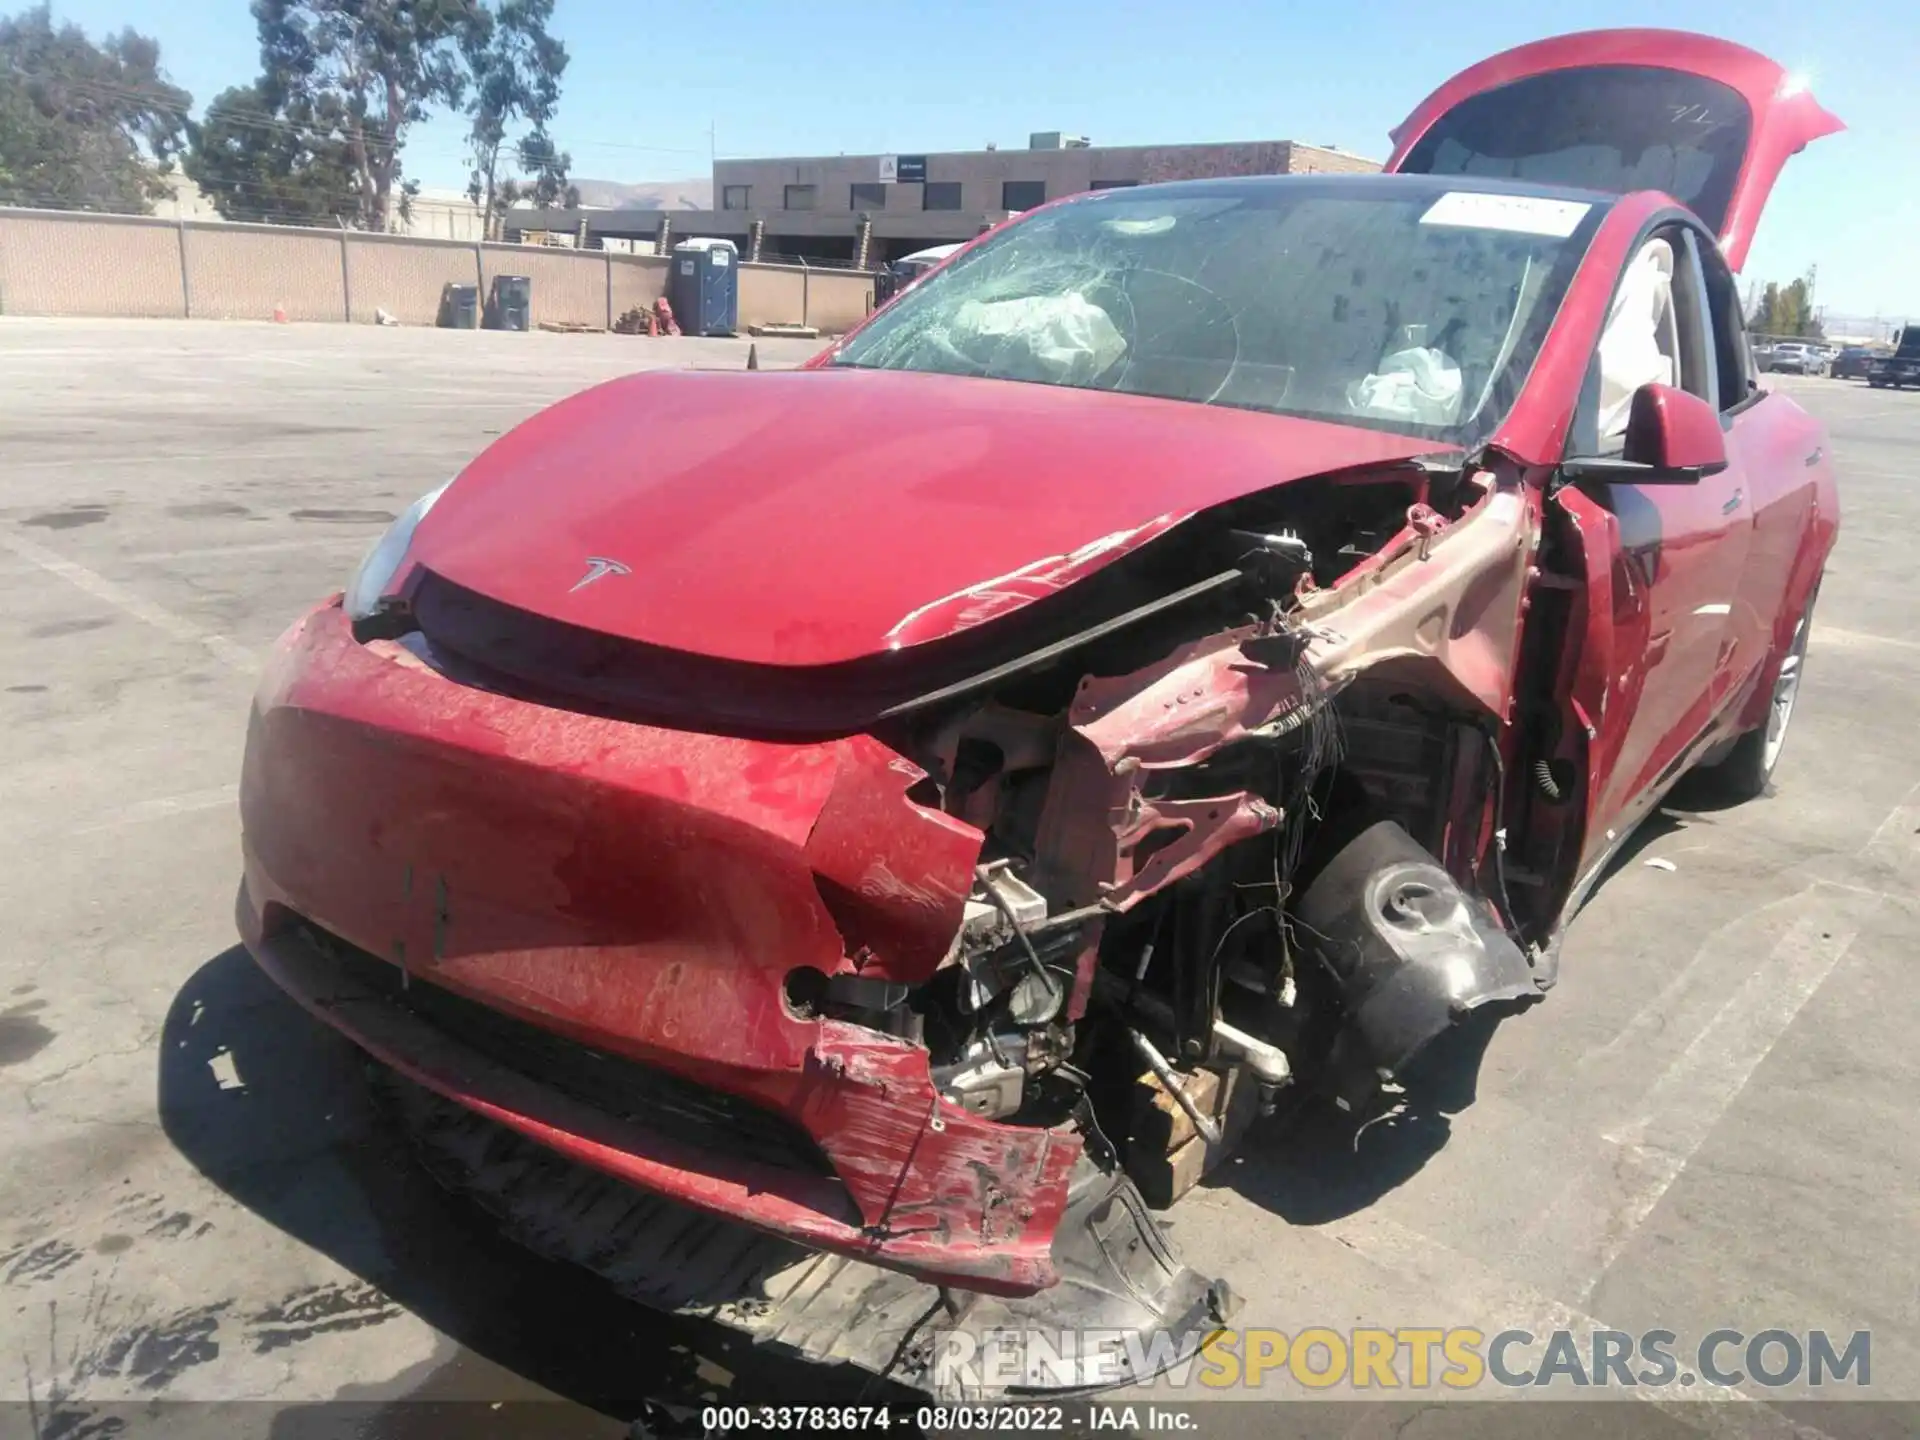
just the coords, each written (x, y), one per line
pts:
(365, 70)
(1786, 311)
(516, 67)
(254, 163)
(546, 168)
(84, 126)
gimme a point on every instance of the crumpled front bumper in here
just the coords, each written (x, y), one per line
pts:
(638, 897)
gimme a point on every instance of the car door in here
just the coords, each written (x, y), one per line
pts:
(1706, 121)
(1665, 561)
(1782, 454)
(1670, 602)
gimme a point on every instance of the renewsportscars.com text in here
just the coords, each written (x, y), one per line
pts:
(1405, 1358)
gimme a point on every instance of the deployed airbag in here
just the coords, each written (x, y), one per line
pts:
(1055, 339)
(1420, 384)
(1641, 343)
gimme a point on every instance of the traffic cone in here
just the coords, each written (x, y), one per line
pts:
(279, 314)
(753, 357)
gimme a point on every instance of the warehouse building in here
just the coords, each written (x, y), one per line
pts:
(867, 209)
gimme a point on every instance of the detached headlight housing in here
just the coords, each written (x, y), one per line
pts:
(370, 581)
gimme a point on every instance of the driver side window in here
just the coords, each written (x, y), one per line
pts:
(1657, 332)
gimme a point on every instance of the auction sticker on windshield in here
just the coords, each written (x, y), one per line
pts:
(1523, 214)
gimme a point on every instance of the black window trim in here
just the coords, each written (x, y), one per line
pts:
(1736, 327)
(1693, 308)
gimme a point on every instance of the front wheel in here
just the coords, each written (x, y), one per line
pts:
(1748, 769)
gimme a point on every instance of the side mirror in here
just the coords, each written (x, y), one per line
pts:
(1673, 438)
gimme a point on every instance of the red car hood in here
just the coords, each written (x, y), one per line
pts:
(807, 517)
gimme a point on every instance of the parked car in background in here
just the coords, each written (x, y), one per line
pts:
(1762, 349)
(909, 268)
(1900, 368)
(1852, 362)
(1798, 357)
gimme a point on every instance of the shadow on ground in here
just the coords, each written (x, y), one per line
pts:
(301, 1141)
(1317, 1163)
(296, 1135)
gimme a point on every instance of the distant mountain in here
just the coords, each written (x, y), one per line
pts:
(647, 194)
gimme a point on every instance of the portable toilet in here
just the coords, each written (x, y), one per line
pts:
(704, 288)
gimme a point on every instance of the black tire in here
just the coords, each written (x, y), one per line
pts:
(1747, 772)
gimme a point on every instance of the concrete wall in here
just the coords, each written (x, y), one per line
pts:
(638, 280)
(245, 273)
(832, 301)
(769, 291)
(405, 277)
(838, 300)
(569, 286)
(58, 263)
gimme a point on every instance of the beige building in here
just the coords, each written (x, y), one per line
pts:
(814, 206)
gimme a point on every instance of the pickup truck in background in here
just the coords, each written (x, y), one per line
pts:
(1902, 367)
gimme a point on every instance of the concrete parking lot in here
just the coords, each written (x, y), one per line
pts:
(1710, 1123)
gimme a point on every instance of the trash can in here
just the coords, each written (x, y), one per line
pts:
(510, 303)
(460, 307)
(704, 287)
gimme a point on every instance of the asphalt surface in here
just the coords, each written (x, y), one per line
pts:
(1710, 1123)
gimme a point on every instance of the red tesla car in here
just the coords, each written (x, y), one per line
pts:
(809, 843)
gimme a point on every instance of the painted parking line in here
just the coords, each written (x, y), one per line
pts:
(359, 539)
(1828, 637)
(1687, 1102)
(228, 652)
(164, 807)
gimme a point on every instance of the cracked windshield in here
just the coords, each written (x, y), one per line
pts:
(1417, 311)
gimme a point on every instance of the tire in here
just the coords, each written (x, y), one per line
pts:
(1747, 772)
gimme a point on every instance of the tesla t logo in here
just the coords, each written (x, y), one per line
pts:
(599, 568)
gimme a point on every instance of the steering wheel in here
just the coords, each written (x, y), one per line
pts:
(1220, 321)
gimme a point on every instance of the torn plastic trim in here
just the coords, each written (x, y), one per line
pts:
(1411, 951)
(1119, 1279)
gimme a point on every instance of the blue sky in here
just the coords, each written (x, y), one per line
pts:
(774, 77)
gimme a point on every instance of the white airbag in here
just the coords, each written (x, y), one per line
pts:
(1058, 339)
(1641, 341)
(1420, 384)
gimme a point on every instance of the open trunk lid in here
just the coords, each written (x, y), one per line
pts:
(1709, 122)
